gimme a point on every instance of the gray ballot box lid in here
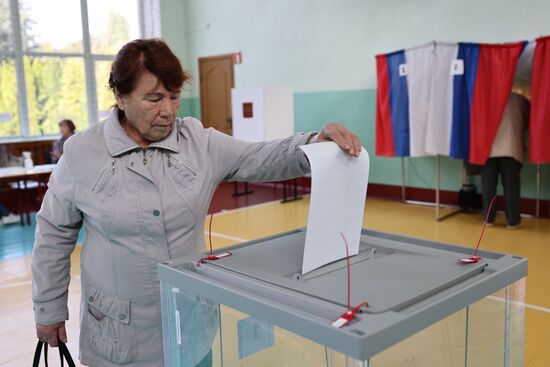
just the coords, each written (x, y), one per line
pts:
(409, 284)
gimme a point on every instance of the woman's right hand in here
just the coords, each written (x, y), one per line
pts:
(51, 334)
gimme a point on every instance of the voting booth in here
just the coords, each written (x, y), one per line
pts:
(255, 308)
(263, 113)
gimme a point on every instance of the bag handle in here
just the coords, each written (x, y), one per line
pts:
(64, 354)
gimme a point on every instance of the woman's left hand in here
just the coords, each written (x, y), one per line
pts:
(345, 139)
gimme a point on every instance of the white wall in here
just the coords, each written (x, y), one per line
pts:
(326, 45)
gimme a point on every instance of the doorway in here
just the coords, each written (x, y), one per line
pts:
(216, 80)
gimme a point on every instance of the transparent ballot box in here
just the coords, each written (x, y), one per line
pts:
(255, 308)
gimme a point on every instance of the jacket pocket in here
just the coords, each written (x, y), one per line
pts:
(182, 172)
(106, 190)
(184, 177)
(111, 332)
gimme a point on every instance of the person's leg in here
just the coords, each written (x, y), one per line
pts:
(510, 171)
(489, 179)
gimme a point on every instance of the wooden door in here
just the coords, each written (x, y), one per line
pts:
(216, 81)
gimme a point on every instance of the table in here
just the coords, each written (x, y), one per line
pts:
(255, 308)
(21, 178)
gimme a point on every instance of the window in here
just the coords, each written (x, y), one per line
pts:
(9, 121)
(105, 98)
(55, 58)
(5, 36)
(45, 28)
(56, 89)
(9, 124)
(112, 24)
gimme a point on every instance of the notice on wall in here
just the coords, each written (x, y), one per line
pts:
(338, 192)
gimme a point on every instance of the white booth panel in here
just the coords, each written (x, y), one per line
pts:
(261, 114)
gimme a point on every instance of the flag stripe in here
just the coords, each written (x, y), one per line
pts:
(399, 103)
(420, 65)
(384, 134)
(440, 117)
(463, 87)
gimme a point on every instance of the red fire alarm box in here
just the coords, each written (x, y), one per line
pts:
(248, 110)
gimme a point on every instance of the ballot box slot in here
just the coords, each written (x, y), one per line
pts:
(365, 253)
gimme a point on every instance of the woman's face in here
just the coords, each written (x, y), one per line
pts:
(65, 130)
(150, 109)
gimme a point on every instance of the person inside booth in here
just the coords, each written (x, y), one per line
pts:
(506, 160)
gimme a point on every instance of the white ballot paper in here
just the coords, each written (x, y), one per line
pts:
(338, 191)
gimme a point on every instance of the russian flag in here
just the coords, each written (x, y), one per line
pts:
(475, 94)
(539, 124)
(392, 106)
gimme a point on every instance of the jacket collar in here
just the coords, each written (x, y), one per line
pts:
(118, 142)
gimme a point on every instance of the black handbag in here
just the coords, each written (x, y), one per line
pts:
(64, 354)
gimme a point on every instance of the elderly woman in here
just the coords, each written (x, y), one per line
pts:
(141, 183)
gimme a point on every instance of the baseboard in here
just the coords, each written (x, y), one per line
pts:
(527, 205)
(390, 192)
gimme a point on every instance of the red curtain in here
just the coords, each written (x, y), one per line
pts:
(539, 124)
(495, 74)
